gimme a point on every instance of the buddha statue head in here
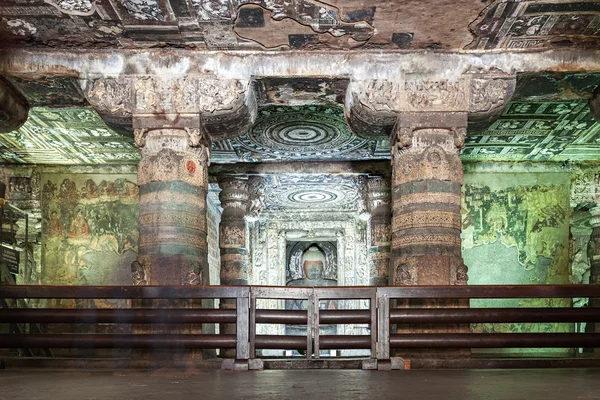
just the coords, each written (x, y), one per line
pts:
(313, 263)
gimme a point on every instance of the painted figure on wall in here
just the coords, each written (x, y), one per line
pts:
(79, 228)
(55, 227)
(92, 222)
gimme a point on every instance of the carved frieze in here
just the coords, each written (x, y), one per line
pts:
(435, 95)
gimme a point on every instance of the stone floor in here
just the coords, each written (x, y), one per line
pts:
(564, 384)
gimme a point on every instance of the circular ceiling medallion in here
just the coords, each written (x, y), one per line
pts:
(312, 196)
(306, 132)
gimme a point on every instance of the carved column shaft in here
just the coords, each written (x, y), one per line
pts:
(232, 231)
(232, 242)
(594, 254)
(426, 189)
(172, 177)
(379, 199)
(427, 177)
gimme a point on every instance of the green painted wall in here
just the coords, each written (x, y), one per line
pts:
(516, 231)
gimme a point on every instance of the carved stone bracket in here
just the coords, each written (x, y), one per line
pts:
(227, 106)
(489, 95)
(373, 105)
(13, 108)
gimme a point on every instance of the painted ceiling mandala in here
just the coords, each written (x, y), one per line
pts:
(311, 193)
(307, 132)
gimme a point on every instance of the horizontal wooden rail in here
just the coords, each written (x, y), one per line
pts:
(126, 341)
(495, 340)
(123, 292)
(116, 315)
(492, 315)
(489, 291)
(379, 317)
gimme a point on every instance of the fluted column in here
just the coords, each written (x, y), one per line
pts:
(232, 241)
(379, 199)
(172, 177)
(427, 177)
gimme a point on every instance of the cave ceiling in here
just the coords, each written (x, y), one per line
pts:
(528, 130)
(301, 24)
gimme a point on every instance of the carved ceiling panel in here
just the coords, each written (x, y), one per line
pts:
(516, 24)
(311, 193)
(535, 130)
(301, 24)
(304, 133)
(540, 131)
(66, 136)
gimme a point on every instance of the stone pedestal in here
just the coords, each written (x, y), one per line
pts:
(232, 242)
(378, 197)
(427, 177)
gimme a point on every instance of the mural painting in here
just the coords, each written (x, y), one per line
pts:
(90, 225)
(516, 231)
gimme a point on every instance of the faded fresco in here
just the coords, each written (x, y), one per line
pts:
(90, 228)
(516, 231)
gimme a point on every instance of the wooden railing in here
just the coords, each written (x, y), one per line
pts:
(379, 314)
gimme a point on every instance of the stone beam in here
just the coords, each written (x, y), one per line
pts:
(379, 168)
(243, 65)
(13, 108)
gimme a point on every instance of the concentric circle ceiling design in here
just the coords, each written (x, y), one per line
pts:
(303, 132)
(310, 193)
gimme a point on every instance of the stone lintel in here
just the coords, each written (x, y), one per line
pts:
(13, 108)
(371, 167)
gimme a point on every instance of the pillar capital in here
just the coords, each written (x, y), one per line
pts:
(373, 105)
(226, 106)
(234, 196)
(13, 108)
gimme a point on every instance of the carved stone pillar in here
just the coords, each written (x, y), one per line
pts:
(427, 177)
(232, 231)
(232, 242)
(594, 258)
(172, 177)
(379, 199)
